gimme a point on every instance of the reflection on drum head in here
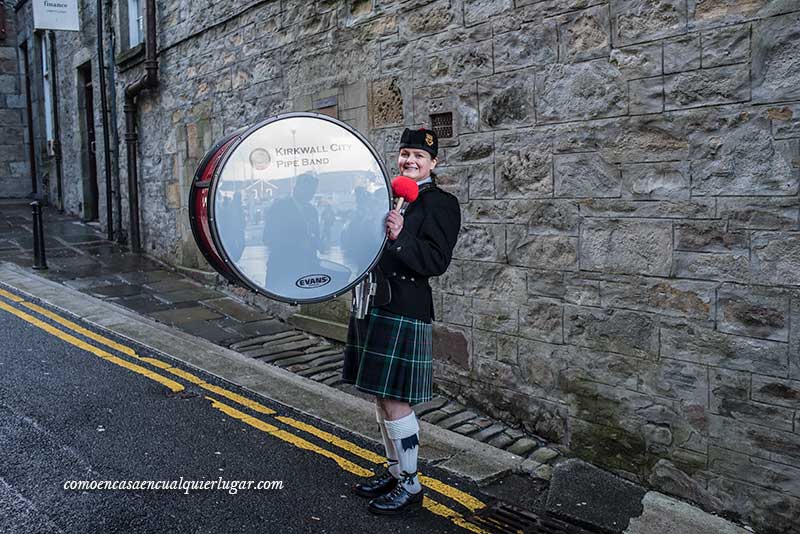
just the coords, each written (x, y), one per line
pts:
(299, 205)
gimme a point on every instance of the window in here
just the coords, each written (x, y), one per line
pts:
(135, 22)
(44, 46)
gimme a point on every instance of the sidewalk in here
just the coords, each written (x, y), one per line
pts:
(144, 299)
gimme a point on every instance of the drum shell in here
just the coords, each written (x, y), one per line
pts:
(198, 206)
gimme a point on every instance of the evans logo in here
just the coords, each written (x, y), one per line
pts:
(313, 280)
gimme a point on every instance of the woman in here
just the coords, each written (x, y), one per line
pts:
(389, 353)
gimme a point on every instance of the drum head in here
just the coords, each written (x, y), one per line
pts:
(297, 207)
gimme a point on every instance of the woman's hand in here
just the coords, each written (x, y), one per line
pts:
(394, 224)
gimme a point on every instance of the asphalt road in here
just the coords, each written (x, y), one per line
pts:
(93, 413)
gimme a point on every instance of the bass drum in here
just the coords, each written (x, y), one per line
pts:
(292, 208)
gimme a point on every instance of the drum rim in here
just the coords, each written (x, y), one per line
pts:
(212, 206)
(194, 190)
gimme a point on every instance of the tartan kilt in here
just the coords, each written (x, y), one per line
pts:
(390, 356)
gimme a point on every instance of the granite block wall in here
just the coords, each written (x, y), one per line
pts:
(627, 282)
(14, 171)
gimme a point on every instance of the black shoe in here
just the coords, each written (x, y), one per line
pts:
(376, 486)
(397, 502)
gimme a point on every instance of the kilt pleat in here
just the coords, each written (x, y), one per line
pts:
(390, 356)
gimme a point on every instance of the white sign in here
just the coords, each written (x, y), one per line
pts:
(56, 15)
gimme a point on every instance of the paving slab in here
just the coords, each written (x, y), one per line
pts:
(235, 309)
(169, 285)
(93, 281)
(63, 253)
(145, 304)
(85, 271)
(263, 327)
(206, 330)
(194, 294)
(586, 494)
(69, 263)
(144, 277)
(80, 237)
(102, 250)
(662, 514)
(26, 242)
(184, 315)
(120, 290)
(130, 262)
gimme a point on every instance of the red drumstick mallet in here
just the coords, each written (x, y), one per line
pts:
(405, 190)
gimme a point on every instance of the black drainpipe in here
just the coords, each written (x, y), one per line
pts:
(56, 123)
(148, 81)
(112, 89)
(104, 114)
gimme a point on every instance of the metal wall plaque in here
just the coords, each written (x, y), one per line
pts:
(56, 15)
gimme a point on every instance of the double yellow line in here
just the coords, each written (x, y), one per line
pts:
(465, 500)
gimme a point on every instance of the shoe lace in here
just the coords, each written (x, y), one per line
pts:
(406, 477)
(396, 491)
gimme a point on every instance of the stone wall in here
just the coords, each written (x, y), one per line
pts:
(14, 171)
(627, 282)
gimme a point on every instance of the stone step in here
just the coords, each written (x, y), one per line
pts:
(429, 406)
(261, 339)
(337, 365)
(454, 420)
(324, 375)
(466, 429)
(482, 422)
(306, 360)
(296, 346)
(489, 432)
(300, 338)
(275, 358)
(435, 416)
(501, 441)
(522, 446)
(544, 455)
(322, 346)
(332, 381)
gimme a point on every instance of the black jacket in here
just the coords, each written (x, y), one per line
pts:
(423, 249)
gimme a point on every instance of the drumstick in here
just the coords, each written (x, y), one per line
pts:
(405, 189)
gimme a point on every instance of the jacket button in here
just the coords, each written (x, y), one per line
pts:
(394, 274)
(399, 248)
(402, 277)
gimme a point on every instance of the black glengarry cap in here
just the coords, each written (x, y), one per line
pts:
(422, 139)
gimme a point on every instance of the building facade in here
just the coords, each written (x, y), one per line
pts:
(627, 280)
(15, 173)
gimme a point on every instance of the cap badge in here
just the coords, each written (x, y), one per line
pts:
(429, 139)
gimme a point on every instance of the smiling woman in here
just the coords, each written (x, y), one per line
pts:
(389, 353)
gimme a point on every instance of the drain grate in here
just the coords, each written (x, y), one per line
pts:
(504, 518)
